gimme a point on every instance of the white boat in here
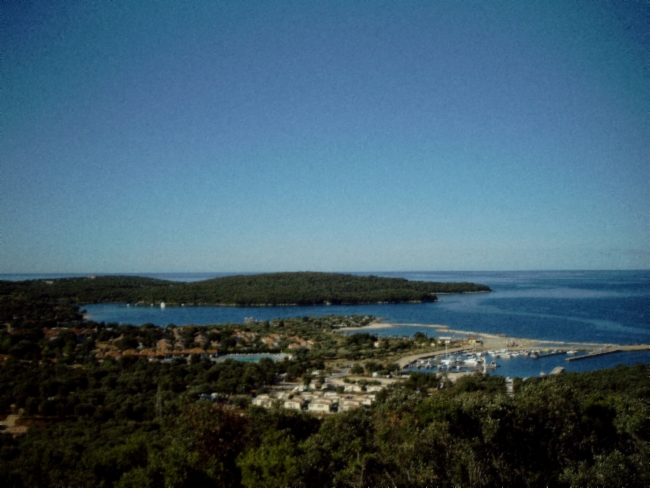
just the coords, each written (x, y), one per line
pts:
(571, 351)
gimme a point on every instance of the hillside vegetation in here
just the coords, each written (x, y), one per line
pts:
(84, 415)
(140, 424)
(304, 288)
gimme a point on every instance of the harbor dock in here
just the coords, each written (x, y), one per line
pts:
(549, 354)
(611, 350)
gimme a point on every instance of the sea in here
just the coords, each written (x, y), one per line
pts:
(571, 306)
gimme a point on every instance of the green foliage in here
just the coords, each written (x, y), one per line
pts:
(273, 463)
(21, 312)
(306, 288)
(361, 340)
(419, 336)
(137, 423)
(357, 369)
(560, 431)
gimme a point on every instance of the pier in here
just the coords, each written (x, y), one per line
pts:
(549, 354)
(611, 350)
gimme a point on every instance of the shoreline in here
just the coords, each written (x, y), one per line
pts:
(500, 341)
(378, 325)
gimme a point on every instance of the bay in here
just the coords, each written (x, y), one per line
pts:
(583, 306)
(572, 306)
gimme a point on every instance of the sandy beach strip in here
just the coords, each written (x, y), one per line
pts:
(490, 341)
(374, 326)
(386, 325)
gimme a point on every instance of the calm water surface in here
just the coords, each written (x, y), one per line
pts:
(581, 306)
(594, 306)
(523, 367)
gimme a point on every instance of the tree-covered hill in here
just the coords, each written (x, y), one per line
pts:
(302, 288)
(141, 424)
(79, 420)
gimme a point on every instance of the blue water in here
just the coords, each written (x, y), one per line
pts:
(580, 306)
(585, 306)
(523, 367)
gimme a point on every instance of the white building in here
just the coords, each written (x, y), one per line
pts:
(321, 405)
(262, 401)
(294, 404)
(346, 405)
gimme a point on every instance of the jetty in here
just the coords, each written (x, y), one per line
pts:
(611, 350)
(549, 354)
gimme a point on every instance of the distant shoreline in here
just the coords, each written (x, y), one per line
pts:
(493, 341)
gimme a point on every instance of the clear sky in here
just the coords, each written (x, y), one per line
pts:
(332, 136)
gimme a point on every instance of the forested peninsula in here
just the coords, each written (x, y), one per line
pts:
(95, 404)
(299, 288)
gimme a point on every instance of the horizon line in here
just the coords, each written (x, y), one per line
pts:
(131, 273)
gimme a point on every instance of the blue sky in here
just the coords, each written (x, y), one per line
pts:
(334, 136)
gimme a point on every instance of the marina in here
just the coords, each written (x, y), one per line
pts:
(578, 312)
(524, 363)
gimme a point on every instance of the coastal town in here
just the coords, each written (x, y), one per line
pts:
(347, 375)
(295, 389)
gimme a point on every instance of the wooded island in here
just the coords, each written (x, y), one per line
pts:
(300, 288)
